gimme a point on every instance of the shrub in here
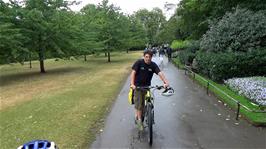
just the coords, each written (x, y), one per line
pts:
(187, 55)
(220, 66)
(235, 46)
(242, 30)
(178, 44)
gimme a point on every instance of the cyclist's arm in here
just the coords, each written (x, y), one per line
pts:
(165, 81)
(132, 79)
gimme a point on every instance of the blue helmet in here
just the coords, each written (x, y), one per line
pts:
(38, 144)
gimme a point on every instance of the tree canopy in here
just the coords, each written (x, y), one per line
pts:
(40, 29)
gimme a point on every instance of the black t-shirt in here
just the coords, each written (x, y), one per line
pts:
(144, 72)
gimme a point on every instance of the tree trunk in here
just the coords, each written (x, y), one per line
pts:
(109, 60)
(41, 59)
(30, 60)
(105, 54)
(127, 50)
(85, 57)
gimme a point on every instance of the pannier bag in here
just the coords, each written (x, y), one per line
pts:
(131, 96)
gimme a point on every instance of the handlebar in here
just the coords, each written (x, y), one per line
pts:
(169, 91)
(150, 87)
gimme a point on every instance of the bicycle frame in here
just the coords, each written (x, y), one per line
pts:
(148, 111)
(149, 97)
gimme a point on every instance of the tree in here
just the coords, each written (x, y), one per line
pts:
(112, 30)
(90, 28)
(137, 34)
(196, 14)
(152, 22)
(170, 31)
(242, 30)
(48, 24)
(11, 37)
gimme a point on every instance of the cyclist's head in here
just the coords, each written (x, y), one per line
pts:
(147, 56)
(38, 144)
(149, 52)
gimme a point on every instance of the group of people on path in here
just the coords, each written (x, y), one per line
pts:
(161, 50)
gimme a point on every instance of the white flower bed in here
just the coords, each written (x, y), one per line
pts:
(253, 88)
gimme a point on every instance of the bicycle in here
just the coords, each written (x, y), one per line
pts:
(148, 111)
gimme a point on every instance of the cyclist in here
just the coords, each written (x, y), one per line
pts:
(141, 75)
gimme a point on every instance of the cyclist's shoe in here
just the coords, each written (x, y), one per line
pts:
(140, 125)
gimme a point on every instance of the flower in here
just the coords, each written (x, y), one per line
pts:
(254, 88)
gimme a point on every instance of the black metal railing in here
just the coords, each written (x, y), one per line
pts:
(208, 84)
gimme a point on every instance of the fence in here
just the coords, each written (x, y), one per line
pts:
(208, 84)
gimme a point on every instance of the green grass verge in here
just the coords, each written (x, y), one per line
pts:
(73, 112)
(255, 118)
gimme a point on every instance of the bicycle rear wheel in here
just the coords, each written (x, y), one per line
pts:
(150, 123)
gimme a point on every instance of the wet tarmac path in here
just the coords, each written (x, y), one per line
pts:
(188, 119)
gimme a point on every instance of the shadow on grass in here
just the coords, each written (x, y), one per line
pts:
(27, 76)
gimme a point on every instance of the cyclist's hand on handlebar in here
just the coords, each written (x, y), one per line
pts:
(133, 86)
(165, 85)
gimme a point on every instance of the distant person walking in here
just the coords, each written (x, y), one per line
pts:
(169, 53)
(161, 51)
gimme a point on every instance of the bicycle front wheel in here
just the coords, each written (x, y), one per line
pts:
(150, 123)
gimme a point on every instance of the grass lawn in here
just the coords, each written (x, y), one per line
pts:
(66, 105)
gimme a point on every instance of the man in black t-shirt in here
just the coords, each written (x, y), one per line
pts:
(141, 75)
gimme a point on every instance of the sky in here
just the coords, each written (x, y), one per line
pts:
(129, 6)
